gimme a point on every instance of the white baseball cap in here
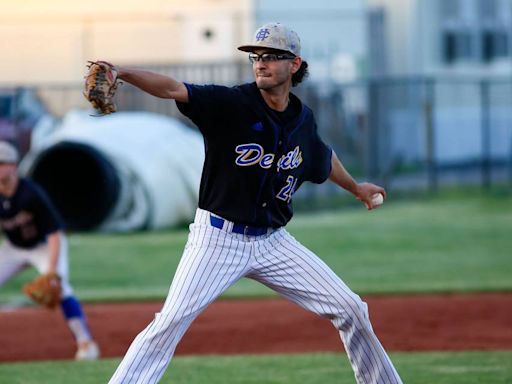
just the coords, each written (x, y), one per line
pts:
(8, 153)
(274, 36)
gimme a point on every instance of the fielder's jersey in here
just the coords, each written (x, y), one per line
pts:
(255, 157)
(28, 216)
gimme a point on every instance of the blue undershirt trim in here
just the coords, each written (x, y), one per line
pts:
(189, 89)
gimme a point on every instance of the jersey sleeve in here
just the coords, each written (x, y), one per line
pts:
(321, 165)
(208, 106)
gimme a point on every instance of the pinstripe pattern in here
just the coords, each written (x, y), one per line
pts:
(214, 259)
(292, 270)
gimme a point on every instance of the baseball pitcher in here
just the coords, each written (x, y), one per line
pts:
(261, 144)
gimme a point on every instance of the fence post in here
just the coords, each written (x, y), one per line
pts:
(485, 126)
(372, 140)
(428, 112)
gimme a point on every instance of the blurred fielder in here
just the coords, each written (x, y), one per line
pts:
(34, 237)
(261, 144)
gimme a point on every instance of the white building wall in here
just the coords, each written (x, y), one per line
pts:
(332, 32)
(400, 34)
(414, 37)
(50, 41)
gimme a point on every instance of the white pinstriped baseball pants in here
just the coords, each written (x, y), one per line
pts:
(214, 259)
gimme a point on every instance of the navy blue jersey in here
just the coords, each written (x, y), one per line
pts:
(256, 158)
(28, 216)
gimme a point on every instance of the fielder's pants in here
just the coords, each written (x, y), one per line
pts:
(214, 259)
(13, 260)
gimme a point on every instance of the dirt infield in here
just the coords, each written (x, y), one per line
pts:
(403, 323)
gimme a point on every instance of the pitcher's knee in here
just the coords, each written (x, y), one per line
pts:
(163, 326)
(353, 314)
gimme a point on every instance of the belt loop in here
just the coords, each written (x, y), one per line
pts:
(217, 222)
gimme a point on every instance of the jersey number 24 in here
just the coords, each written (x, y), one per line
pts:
(286, 192)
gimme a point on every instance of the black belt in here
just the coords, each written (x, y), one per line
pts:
(218, 222)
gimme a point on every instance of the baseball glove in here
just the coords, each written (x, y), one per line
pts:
(100, 86)
(45, 290)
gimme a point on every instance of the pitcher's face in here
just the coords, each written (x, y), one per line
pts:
(273, 69)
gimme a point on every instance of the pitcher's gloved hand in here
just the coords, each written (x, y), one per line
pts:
(100, 86)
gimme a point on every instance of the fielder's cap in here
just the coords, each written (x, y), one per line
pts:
(274, 36)
(8, 153)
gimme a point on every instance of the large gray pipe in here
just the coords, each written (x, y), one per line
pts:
(121, 172)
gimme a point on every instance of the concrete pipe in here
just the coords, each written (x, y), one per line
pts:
(122, 172)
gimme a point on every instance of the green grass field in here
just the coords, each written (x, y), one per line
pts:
(415, 368)
(434, 245)
(442, 244)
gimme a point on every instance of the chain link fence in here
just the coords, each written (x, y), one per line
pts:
(418, 133)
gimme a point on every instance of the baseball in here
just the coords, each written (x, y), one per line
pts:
(377, 199)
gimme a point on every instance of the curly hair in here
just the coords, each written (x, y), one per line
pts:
(301, 74)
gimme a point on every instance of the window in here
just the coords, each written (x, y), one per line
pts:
(457, 45)
(476, 30)
(495, 44)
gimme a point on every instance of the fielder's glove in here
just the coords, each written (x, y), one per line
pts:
(100, 86)
(45, 290)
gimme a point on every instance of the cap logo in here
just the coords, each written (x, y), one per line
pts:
(262, 34)
(274, 36)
